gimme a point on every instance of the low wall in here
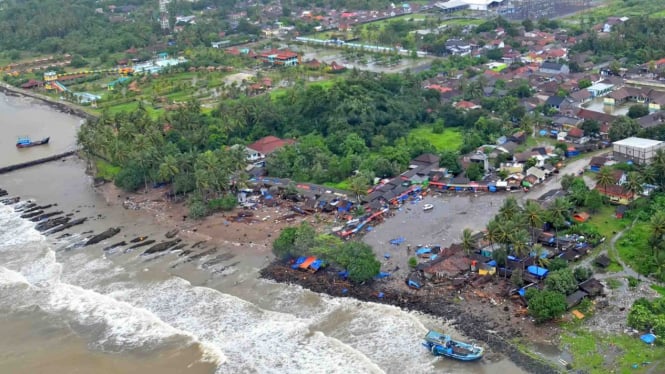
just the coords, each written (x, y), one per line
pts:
(9, 168)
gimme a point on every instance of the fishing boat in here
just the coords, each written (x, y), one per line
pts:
(25, 142)
(443, 345)
(428, 207)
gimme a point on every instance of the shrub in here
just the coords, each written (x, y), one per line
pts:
(557, 264)
(562, 281)
(413, 262)
(582, 273)
(225, 203)
(197, 209)
(545, 305)
(438, 127)
(633, 282)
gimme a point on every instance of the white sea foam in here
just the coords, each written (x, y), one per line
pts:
(32, 278)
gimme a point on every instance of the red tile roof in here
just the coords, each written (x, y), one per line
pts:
(576, 132)
(466, 104)
(438, 87)
(269, 144)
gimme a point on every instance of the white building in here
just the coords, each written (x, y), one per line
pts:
(483, 4)
(637, 150)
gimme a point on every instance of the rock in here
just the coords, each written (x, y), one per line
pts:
(44, 216)
(141, 244)
(115, 245)
(67, 225)
(161, 247)
(103, 236)
(172, 233)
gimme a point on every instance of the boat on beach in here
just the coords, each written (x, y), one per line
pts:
(443, 345)
(25, 142)
(428, 207)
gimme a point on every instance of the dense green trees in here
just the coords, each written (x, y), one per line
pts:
(645, 315)
(545, 305)
(354, 256)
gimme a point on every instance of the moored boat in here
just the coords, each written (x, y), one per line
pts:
(25, 142)
(427, 207)
(443, 345)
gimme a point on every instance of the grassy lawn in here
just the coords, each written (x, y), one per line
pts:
(659, 289)
(620, 8)
(634, 249)
(343, 185)
(132, 106)
(449, 140)
(106, 170)
(598, 354)
(606, 223)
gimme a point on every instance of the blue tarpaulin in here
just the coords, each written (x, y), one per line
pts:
(316, 264)
(387, 255)
(299, 261)
(522, 292)
(433, 257)
(397, 241)
(492, 263)
(343, 274)
(648, 338)
(537, 271)
(383, 274)
(423, 250)
(413, 284)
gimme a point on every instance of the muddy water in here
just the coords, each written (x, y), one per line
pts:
(22, 116)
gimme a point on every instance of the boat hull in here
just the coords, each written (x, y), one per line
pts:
(443, 345)
(33, 144)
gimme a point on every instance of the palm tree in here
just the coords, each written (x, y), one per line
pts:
(468, 242)
(359, 186)
(539, 251)
(658, 164)
(501, 257)
(168, 168)
(634, 183)
(605, 178)
(519, 240)
(558, 213)
(492, 234)
(534, 217)
(510, 208)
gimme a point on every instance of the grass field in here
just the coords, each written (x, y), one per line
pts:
(633, 247)
(621, 8)
(597, 354)
(606, 223)
(449, 140)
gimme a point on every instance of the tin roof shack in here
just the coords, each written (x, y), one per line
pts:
(445, 268)
(593, 287)
(576, 298)
(603, 261)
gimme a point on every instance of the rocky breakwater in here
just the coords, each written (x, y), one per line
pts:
(475, 326)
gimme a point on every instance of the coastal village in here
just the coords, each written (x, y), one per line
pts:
(524, 236)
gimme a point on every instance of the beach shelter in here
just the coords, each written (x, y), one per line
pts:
(648, 338)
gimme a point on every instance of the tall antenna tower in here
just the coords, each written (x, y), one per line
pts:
(164, 15)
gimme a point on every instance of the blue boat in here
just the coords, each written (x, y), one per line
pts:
(443, 345)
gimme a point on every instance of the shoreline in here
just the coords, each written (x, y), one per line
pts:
(471, 325)
(63, 107)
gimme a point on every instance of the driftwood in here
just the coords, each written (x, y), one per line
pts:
(171, 234)
(26, 208)
(10, 200)
(178, 247)
(103, 236)
(32, 207)
(141, 244)
(139, 239)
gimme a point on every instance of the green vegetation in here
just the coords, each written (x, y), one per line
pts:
(356, 257)
(599, 354)
(449, 140)
(105, 170)
(659, 289)
(614, 283)
(648, 315)
(545, 305)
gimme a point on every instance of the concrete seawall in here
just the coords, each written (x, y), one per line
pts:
(43, 160)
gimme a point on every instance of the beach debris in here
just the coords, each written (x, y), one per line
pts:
(3, 192)
(141, 244)
(138, 239)
(219, 258)
(10, 200)
(103, 236)
(161, 247)
(27, 207)
(31, 207)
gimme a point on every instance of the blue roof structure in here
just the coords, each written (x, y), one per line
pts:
(537, 271)
(648, 338)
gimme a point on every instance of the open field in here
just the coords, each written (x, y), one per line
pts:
(449, 140)
(620, 8)
(598, 354)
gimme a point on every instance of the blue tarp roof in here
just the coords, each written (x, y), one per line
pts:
(537, 271)
(648, 338)
(423, 250)
(522, 292)
(397, 241)
(383, 274)
(299, 261)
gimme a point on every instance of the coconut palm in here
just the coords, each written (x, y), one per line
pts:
(492, 234)
(539, 252)
(510, 208)
(468, 242)
(501, 257)
(168, 168)
(605, 178)
(519, 240)
(558, 213)
(534, 216)
(634, 183)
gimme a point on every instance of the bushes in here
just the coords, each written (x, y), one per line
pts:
(545, 305)
(582, 273)
(562, 281)
(356, 257)
(197, 208)
(225, 203)
(646, 315)
(413, 262)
